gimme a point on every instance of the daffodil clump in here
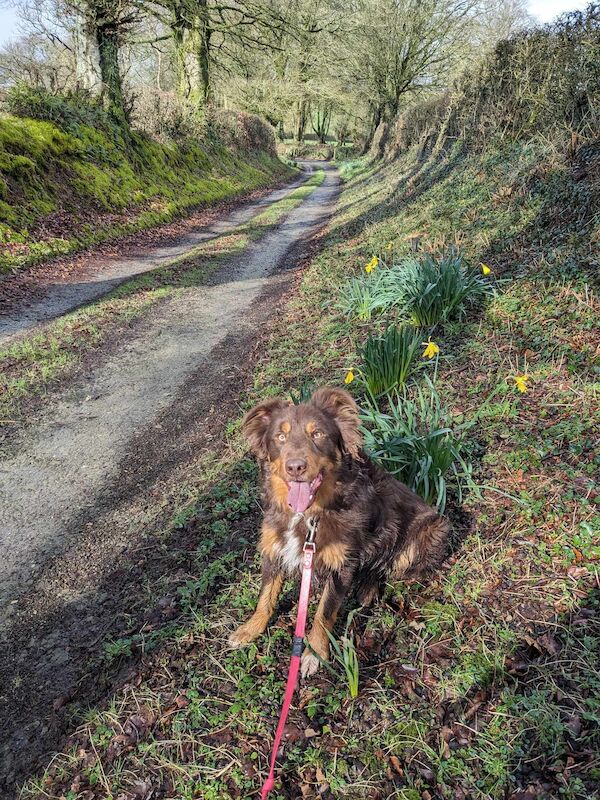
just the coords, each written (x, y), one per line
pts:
(409, 434)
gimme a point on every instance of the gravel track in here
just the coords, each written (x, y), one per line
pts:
(101, 274)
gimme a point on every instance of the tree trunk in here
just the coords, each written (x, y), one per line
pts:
(204, 63)
(377, 116)
(203, 53)
(86, 55)
(182, 81)
(185, 58)
(107, 37)
(301, 119)
(320, 123)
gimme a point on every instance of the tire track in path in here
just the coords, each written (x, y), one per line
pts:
(102, 273)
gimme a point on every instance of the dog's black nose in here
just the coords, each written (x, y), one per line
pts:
(296, 467)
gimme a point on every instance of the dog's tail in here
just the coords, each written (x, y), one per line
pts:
(426, 545)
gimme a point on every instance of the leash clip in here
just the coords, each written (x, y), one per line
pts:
(309, 543)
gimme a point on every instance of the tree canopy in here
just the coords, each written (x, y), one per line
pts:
(320, 66)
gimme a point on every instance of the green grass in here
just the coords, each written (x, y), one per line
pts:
(364, 296)
(483, 681)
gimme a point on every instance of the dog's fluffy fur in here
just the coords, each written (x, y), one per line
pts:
(371, 526)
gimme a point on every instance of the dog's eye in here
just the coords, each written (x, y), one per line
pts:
(317, 434)
(280, 437)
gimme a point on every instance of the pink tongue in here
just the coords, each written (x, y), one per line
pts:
(299, 496)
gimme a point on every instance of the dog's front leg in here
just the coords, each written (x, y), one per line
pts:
(336, 589)
(272, 581)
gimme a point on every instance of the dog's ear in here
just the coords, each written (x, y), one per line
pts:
(342, 407)
(256, 424)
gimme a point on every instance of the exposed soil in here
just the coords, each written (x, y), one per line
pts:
(91, 482)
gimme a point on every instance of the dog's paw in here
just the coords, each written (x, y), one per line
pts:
(309, 664)
(368, 596)
(242, 636)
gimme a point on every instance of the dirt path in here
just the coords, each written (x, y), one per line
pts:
(102, 458)
(99, 274)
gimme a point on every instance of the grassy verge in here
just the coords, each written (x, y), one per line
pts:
(30, 366)
(483, 683)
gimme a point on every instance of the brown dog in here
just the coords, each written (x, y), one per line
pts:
(370, 526)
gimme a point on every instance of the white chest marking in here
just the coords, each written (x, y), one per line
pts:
(291, 550)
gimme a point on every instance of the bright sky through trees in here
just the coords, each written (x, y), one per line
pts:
(544, 10)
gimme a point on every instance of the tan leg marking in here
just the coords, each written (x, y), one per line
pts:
(404, 561)
(260, 619)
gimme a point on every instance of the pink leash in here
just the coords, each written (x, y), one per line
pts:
(297, 647)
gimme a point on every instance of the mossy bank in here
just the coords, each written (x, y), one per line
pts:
(74, 178)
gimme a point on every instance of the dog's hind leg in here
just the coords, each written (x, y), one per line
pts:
(427, 539)
(272, 581)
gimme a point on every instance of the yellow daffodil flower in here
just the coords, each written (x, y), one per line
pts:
(431, 349)
(374, 262)
(349, 377)
(485, 269)
(389, 245)
(521, 382)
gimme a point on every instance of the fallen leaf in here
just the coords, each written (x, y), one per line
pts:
(396, 766)
(548, 643)
(577, 572)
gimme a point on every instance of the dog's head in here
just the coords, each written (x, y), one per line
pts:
(304, 445)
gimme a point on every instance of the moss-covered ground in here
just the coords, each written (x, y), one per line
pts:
(485, 682)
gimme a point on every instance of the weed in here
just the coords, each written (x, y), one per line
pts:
(361, 297)
(304, 393)
(344, 653)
